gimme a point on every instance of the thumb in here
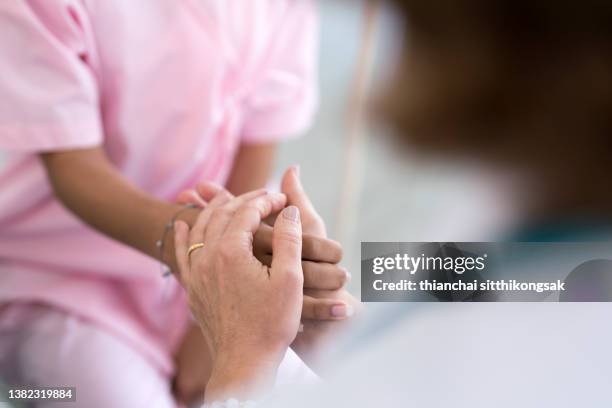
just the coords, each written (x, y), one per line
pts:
(292, 187)
(287, 243)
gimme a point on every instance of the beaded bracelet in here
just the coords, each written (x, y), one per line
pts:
(165, 270)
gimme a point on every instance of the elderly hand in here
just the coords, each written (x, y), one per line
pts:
(249, 312)
(321, 273)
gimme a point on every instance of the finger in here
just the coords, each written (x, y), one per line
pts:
(249, 215)
(190, 197)
(262, 240)
(326, 276)
(317, 275)
(292, 187)
(340, 296)
(264, 259)
(320, 249)
(181, 239)
(208, 190)
(222, 216)
(325, 309)
(197, 231)
(314, 248)
(287, 246)
(248, 197)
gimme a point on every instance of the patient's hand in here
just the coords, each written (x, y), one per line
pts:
(317, 329)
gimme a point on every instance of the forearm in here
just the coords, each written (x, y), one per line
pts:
(252, 168)
(94, 190)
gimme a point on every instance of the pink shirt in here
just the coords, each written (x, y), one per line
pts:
(170, 88)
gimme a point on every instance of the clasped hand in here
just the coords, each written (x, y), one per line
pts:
(252, 248)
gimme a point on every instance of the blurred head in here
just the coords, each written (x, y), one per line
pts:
(515, 82)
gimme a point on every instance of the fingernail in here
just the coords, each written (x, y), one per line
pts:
(291, 213)
(342, 311)
(348, 275)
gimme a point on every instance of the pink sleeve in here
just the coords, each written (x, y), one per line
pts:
(284, 100)
(49, 96)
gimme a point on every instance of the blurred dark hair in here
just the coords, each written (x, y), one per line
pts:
(511, 77)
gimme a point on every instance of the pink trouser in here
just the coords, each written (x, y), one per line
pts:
(44, 346)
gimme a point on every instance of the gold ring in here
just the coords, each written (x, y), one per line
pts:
(194, 247)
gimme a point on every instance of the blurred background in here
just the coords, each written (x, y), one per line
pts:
(362, 187)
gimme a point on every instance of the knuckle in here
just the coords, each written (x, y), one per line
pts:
(226, 251)
(222, 212)
(219, 199)
(251, 208)
(262, 205)
(200, 222)
(307, 272)
(196, 233)
(217, 212)
(307, 309)
(248, 212)
(294, 280)
(311, 246)
(224, 195)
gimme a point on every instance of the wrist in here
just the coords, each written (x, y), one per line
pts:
(243, 373)
(189, 216)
